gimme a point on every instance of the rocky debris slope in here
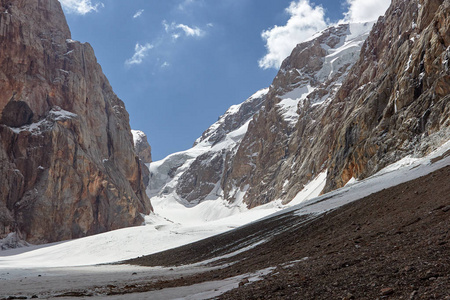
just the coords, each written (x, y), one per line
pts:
(344, 104)
(67, 161)
(391, 243)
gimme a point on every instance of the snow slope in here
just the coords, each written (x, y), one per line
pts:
(160, 234)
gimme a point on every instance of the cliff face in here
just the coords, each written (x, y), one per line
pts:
(345, 104)
(397, 100)
(285, 146)
(67, 160)
(394, 102)
(141, 146)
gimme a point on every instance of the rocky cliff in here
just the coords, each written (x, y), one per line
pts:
(394, 102)
(344, 104)
(67, 162)
(397, 100)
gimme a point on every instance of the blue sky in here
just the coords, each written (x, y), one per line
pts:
(179, 64)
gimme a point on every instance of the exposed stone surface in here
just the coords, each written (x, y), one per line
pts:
(67, 164)
(201, 177)
(141, 146)
(144, 152)
(277, 155)
(398, 94)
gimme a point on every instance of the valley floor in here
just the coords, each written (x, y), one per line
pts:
(394, 243)
(391, 244)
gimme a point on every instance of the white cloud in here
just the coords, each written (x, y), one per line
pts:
(80, 7)
(176, 30)
(189, 31)
(184, 4)
(165, 65)
(138, 14)
(305, 20)
(366, 10)
(140, 52)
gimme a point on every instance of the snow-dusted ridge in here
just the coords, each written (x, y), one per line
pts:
(338, 58)
(173, 179)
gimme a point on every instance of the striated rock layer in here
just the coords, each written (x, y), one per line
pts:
(345, 104)
(67, 162)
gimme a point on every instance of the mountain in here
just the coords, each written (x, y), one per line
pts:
(68, 167)
(195, 174)
(346, 103)
(222, 159)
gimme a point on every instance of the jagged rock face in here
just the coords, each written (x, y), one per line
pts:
(394, 102)
(141, 146)
(397, 100)
(284, 147)
(67, 161)
(202, 176)
(144, 152)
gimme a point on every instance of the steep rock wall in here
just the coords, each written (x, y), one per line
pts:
(67, 163)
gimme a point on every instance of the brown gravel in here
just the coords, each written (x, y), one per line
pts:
(390, 245)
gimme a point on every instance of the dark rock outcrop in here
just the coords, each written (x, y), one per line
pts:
(141, 146)
(67, 163)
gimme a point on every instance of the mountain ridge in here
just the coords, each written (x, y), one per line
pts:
(333, 110)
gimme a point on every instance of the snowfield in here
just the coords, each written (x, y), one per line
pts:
(72, 264)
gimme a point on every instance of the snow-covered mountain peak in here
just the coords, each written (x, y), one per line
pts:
(313, 73)
(236, 116)
(317, 67)
(176, 176)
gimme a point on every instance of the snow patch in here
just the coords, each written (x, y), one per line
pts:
(288, 106)
(311, 190)
(55, 114)
(138, 136)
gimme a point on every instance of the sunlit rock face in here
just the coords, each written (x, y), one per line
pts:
(67, 162)
(396, 101)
